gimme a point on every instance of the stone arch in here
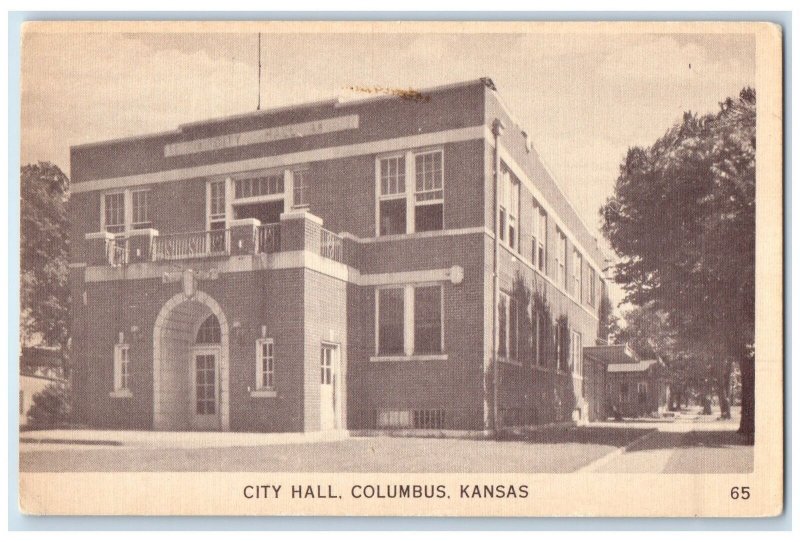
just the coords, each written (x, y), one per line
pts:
(180, 314)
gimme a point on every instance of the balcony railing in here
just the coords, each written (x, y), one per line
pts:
(266, 239)
(117, 251)
(330, 245)
(182, 246)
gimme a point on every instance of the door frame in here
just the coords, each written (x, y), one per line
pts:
(204, 422)
(336, 383)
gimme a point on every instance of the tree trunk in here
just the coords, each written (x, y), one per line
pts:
(747, 423)
(723, 390)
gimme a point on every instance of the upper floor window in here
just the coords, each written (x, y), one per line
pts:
(539, 239)
(561, 259)
(258, 186)
(299, 188)
(140, 202)
(392, 206)
(393, 176)
(114, 214)
(592, 286)
(410, 193)
(577, 275)
(217, 204)
(429, 196)
(509, 209)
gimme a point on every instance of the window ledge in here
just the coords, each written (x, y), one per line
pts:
(121, 394)
(416, 357)
(263, 393)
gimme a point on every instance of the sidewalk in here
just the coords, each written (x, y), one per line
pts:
(168, 439)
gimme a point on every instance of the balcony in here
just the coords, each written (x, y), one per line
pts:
(296, 231)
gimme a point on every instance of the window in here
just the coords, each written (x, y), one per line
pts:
(592, 286)
(410, 190)
(508, 328)
(265, 364)
(209, 331)
(392, 210)
(502, 326)
(409, 320)
(513, 329)
(577, 275)
(562, 339)
(561, 260)
(217, 205)
(121, 367)
(429, 196)
(114, 215)
(391, 316)
(641, 391)
(258, 186)
(539, 339)
(576, 351)
(509, 209)
(539, 238)
(393, 176)
(428, 320)
(140, 203)
(300, 188)
(393, 216)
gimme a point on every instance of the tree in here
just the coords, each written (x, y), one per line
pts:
(682, 220)
(43, 254)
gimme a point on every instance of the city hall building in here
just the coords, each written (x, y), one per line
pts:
(394, 262)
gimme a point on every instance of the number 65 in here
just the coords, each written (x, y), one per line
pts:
(740, 493)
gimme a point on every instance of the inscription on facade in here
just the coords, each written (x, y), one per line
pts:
(266, 135)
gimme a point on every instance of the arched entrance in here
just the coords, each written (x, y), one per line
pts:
(190, 365)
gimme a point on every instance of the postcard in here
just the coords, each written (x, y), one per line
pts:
(401, 269)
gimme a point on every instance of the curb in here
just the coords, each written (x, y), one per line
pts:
(599, 462)
(31, 440)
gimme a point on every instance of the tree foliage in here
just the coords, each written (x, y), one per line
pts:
(43, 255)
(682, 220)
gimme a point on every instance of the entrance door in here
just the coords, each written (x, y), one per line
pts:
(328, 387)
(205, 390)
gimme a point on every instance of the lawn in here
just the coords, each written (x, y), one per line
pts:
(555, 451)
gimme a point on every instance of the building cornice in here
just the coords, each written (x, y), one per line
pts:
(289, 159)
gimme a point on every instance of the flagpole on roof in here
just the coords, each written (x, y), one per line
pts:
(258, 107)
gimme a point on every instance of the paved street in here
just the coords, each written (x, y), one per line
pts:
(688, 445)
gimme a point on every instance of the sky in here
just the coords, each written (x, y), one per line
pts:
(584, 98)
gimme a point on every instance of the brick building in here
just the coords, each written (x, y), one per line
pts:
(330, 266)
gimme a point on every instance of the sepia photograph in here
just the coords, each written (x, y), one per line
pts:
(401, 268)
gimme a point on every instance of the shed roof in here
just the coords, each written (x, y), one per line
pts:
(638, 367)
